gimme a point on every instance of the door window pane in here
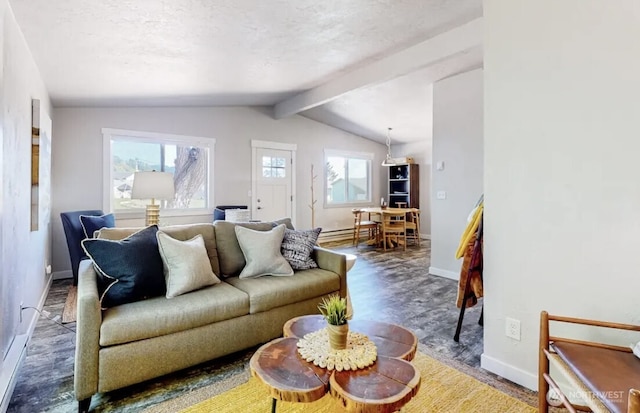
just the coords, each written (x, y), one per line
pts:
(274, 167)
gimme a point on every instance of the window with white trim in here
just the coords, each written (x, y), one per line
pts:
(347, 178)
(188, 158)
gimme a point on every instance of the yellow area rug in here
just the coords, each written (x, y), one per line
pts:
(69, 311)
(443, 389)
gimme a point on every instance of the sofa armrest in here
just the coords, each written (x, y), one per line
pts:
(333, 261)
(89, 319)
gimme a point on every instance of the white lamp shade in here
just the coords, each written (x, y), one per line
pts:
(153, 185)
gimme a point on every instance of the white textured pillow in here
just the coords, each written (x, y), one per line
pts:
(186, 264)
(261, 250)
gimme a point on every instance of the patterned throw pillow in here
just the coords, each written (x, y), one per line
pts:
(297, 247)
(128, 270)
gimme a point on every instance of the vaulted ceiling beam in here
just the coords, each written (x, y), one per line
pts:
(432, 51)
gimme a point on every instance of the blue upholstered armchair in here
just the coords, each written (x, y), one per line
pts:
(75, 234)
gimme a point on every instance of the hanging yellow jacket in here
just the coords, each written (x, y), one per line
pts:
(470, 231)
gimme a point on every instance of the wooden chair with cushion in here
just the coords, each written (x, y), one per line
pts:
(413, 226)
(359, 224)
(394, 227)
(604, 376)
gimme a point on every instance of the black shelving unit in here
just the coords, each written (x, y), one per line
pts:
(404, 186)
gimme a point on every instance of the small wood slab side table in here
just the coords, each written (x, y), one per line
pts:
(287, 376)
(384, 387)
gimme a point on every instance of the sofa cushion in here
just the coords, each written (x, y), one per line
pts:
(186, 264)
(229, 252)
(266, 293)
(128, 270)
(160, 316)
(179, 232)
(297, 247)
(261, 250)
(286, 221)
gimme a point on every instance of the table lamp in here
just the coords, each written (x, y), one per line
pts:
(153, 185)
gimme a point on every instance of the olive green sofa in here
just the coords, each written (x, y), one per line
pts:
(139, 341)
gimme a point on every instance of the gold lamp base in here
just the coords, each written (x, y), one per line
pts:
(153, 214)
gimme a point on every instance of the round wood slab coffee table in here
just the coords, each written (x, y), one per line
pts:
(384, 387)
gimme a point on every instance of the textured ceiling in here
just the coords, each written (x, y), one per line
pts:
(226, 52)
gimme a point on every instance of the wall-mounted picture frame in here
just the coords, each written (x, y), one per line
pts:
(40, 167)
(35, 164)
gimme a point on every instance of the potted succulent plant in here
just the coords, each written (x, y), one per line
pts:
(334, 310)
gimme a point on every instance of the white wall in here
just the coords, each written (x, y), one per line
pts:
(562, 197)
(421, 154)
(77, 157)
(23, 253)
(458, 142)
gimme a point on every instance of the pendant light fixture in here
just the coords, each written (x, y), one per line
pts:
(388, 160)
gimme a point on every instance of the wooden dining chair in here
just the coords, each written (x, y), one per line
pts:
(359, 224)
(394, 226)
(413, 226)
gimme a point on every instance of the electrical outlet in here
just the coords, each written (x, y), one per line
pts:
(512, 328)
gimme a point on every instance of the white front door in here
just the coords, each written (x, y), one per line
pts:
(272, 197)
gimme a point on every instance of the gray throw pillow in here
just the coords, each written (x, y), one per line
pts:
(297, 247)
(229, 253)
(186, 264)
(261, 251)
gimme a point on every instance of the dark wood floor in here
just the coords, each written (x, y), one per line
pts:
(394, 287)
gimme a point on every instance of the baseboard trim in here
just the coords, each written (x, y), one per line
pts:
(61, 275)
(452, 275)
(10, 366)
(17, 352)
(509, 372)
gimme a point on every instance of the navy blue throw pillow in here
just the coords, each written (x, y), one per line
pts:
(128, 270)
(92, 223)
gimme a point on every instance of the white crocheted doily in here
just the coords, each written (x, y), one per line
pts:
(360, 352)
